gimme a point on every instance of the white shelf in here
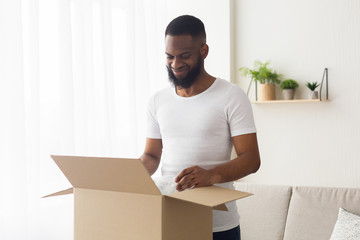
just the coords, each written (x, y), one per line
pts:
(290, 101)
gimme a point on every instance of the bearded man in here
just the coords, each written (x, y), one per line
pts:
(194, 124)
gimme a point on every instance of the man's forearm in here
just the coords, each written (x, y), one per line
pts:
(245, 164)
(195, 176)
(151, 163)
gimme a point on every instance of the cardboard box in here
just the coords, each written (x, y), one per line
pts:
(115, 198)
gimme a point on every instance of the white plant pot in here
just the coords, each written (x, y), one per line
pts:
(314, 95)
(288, 94)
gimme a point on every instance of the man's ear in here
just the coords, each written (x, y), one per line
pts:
(204, 50)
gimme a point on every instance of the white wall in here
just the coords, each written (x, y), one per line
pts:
(305, 143)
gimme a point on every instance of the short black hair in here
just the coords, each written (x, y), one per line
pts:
(186, 25)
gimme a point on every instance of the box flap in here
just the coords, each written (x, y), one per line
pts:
(111, 174)
(211, 196)
(63, 192)
(221, 207)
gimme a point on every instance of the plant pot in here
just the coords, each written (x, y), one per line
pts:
(288, 94)
(266, 92)
(314, 95)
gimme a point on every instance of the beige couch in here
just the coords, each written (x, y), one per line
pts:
(292, 213)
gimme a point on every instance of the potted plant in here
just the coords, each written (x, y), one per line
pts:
(267, 78)
(312, 86)
(288, 87)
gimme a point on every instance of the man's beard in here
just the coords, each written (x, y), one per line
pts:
(187, 81)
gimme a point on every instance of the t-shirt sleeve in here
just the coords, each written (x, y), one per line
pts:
(152, 125)
(239, 112)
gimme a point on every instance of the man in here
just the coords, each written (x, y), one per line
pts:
(193, 124)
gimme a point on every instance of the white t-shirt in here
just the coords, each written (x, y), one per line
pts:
(197, 130)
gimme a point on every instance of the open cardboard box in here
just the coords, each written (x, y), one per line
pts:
(115, 198)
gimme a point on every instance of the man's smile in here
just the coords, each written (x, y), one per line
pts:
(179, 72)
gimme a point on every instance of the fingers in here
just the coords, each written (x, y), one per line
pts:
(183, 173)
(186, 182)
(188, 178)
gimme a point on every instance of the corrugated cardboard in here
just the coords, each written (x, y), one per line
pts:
(115, 198)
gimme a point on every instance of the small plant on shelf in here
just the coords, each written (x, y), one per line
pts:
(312, 86)
(261, 73)
(289, 86)
(267, 77)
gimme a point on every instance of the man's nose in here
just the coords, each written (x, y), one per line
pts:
(176, 64)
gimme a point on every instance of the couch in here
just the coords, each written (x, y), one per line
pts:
(292, 212)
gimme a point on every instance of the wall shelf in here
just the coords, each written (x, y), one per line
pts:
(290, 101)
(321, 99)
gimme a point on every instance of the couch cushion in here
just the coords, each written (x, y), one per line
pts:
(263, 215)
(347, 226)
(313, 211)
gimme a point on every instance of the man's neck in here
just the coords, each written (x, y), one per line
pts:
(203, 82)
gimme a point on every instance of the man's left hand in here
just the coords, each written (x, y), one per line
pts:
(193, 177)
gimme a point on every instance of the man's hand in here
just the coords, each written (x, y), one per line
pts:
(194, 177)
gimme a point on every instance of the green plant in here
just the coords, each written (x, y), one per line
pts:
(312, 86)
(261, 73)
(289, 84)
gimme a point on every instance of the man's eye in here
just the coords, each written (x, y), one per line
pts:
(186, 56)
(169, 57)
